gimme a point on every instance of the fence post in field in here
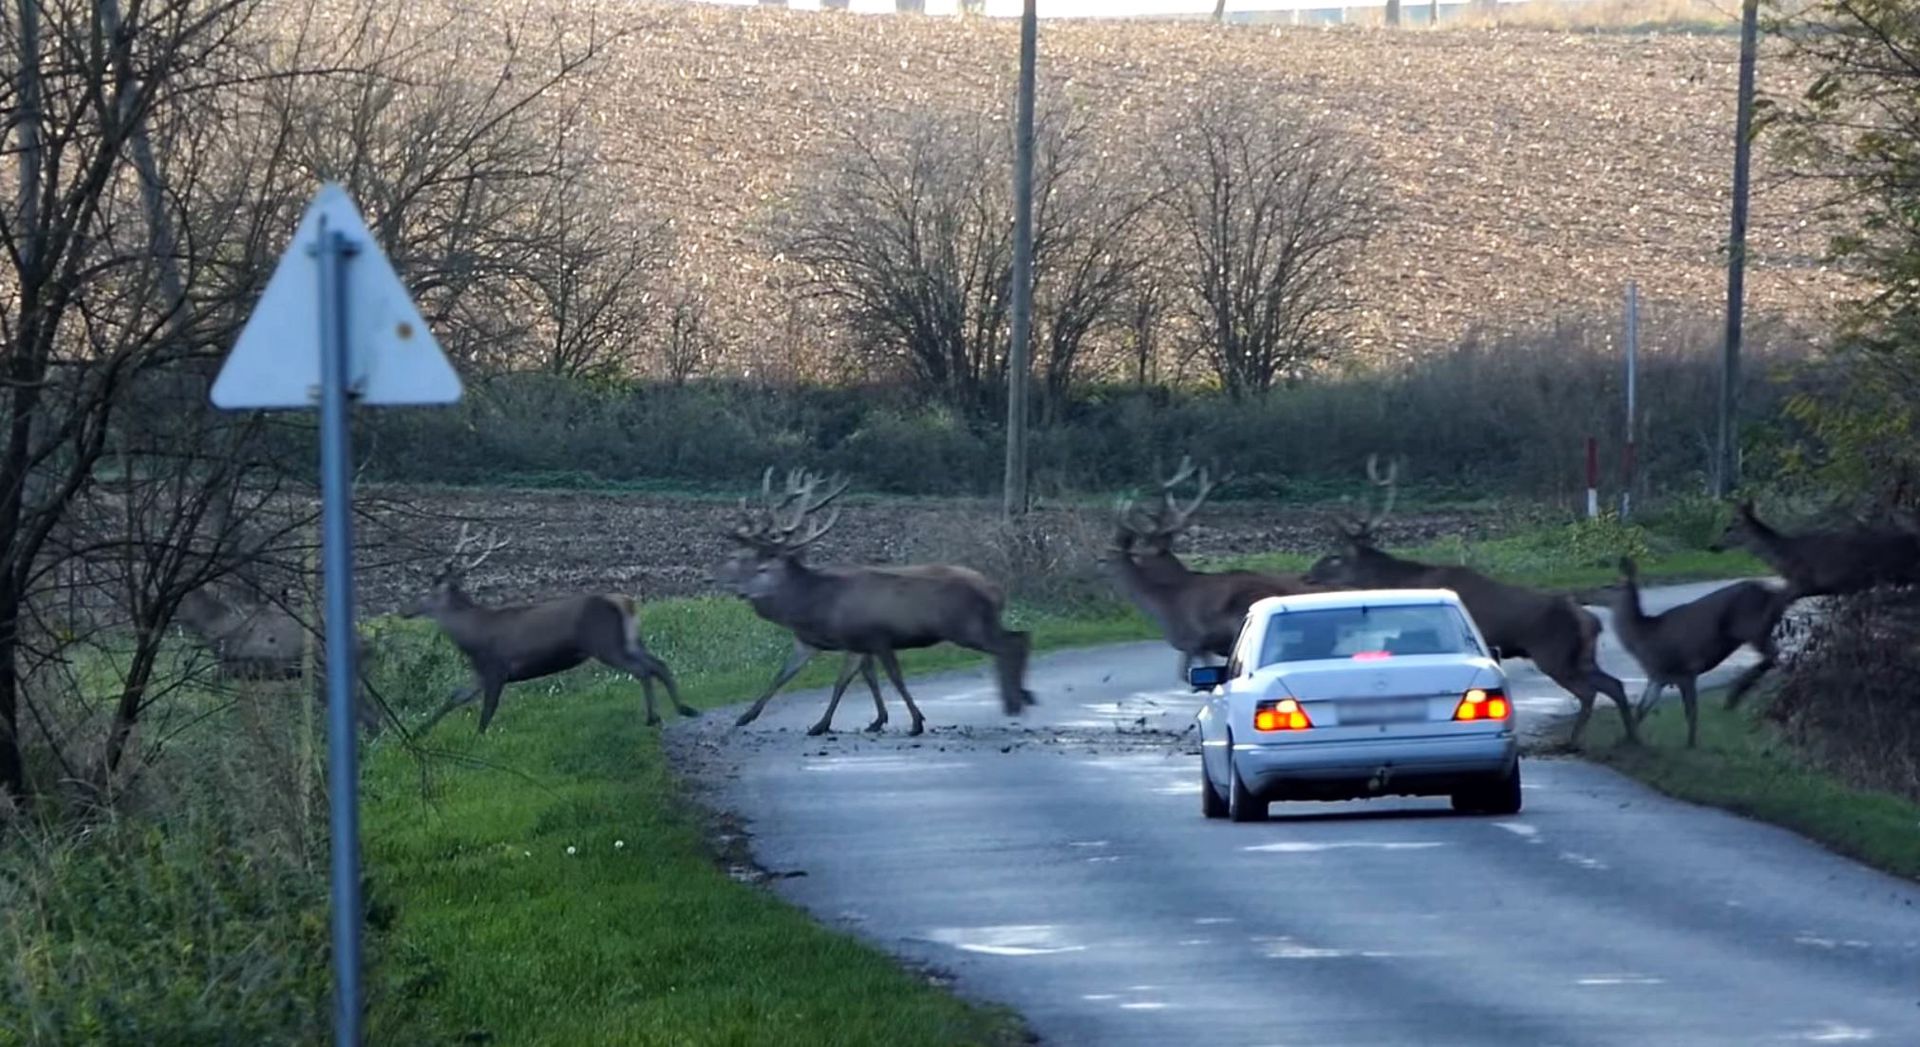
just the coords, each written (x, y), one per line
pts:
(1593, 477)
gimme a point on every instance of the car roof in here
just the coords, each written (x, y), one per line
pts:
(1354, 598)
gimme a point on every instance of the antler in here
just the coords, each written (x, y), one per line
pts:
(1172, 517)
(460, 562)
(772, 527)
(1361, 532)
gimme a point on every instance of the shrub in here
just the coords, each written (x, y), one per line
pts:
(1846, 695)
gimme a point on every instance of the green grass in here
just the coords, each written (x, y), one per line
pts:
(1744, 766)
(647, 942)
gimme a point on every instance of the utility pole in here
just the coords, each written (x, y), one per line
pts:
(1018, 368)
(1726, 472)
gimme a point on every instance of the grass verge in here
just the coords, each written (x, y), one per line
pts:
(1744, 766)
(563, 893)
(552, 885)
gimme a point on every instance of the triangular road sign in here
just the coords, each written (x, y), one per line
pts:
(393, 358)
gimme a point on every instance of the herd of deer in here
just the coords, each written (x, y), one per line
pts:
(870, 613)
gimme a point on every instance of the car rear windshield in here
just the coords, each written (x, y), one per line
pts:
(1366, 632)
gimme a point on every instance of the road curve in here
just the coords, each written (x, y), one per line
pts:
(1060, 866)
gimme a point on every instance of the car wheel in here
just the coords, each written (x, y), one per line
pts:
(1242, 806)
(1499, 796)
(1503, 796)
(1211, 805)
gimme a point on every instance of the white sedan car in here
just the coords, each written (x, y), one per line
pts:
(1346, 695)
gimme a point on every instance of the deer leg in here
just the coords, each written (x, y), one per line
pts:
(1649, 698)
(460, 698)
(848, 666)
(1769, 657)
(892, 665)
(646, 690)
(802, 654)
(646, 668)
(1608, 684)
(490, 701)
(1011, 659)
(873, 685)
(1585, 698)
(1691, 699)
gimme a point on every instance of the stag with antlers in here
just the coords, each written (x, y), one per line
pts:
(506, 645)
(1677, 646)
(867, 612)
(1198, 612)
(1828, 563)
(1556, 634)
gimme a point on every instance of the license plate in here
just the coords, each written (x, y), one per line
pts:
(1383, 710)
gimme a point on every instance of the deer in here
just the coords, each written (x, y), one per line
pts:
(262, 642)
(254, 642)
(1828, 563)
(1677, 646)
(867, 612)
(1198, 612)
(1558, 635)
(504, 645)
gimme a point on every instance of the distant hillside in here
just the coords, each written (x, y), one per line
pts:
(1534, 172)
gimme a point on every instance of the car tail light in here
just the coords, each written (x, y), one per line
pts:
(1478, 704)
(1371, 656)
(1283, 715)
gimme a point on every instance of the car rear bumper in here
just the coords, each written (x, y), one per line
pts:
(1351, 769)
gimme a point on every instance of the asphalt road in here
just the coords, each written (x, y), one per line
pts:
(1060, 866)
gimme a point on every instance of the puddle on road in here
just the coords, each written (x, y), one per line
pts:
(880, 763)
(1837, 1032)
(1304, 847)
(1582, 860)
(1041, 939)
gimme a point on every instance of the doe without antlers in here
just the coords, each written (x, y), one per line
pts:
(868, 612)
(510, 644)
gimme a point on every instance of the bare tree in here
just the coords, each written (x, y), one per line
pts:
(686, 340)
(909, 236)
(592, 287)
(1089, 254)
(161, 159)
(1267, 215)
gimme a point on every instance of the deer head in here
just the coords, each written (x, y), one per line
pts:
(1155, 530)
(773, 534)
(447, 589)
(1356, 533)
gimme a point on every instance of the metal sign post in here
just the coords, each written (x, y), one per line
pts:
(334, 252)
(346, 331)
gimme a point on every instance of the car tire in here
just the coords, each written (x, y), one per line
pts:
(1242, 806)
(1211, 805)
(1499, 796)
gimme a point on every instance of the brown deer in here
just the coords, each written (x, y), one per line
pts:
(264, 641)
(1678, 645)
(249, 641)
(1198, 612)
(1828, 563)
(868, 612)
(1556, 634)
(506, 645)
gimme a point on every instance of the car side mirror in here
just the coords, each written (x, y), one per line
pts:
(1206, 677)
(1494, 651)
